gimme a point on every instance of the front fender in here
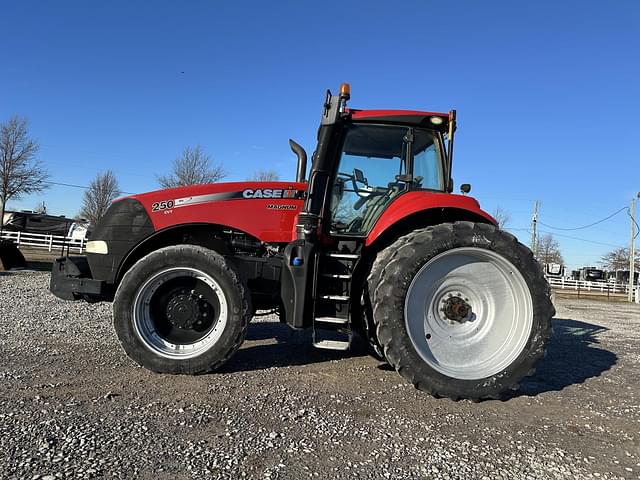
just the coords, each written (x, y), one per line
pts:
(428, 205)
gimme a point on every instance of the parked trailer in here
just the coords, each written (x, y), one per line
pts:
(31, 222)
(592, 274)
(555, 270)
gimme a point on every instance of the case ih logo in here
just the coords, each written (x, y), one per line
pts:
(268, 193)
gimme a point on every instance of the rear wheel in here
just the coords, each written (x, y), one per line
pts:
(181, 309)
(462, 310)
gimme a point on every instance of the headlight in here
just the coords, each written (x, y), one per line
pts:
(97, 246)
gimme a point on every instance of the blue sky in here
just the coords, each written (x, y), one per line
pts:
(547, 93)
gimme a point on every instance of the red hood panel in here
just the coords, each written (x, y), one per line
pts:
(265, 210)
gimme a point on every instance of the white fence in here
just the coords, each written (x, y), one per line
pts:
(48, 242)
(585, 286)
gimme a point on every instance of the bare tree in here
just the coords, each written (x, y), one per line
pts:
(502, 216)
(265, 176)
(102, 191)
(20, 172)
(618, 259)
(548, 250)
(192, 167)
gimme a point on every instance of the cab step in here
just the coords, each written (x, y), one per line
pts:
(332, 344)
(337, 298)
(333, 320)
(343, 256)
(340, 276)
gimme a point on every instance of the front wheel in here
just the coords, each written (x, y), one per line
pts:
(462, 310)
(181, 309)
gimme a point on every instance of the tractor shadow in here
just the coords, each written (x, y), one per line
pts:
(573, 356)
(274, 344)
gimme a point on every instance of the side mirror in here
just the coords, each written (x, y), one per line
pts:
(358, 175)
(465, 188)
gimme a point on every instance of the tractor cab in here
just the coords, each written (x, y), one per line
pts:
(365, 161)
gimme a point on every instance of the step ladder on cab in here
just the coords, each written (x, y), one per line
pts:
(331, 300)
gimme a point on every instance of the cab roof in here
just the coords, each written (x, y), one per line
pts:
(403, 117)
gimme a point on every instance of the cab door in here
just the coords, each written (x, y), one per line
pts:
(377, 164)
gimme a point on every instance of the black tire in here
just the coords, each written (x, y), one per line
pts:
(231, 330)
(375, 349)
(392, 275)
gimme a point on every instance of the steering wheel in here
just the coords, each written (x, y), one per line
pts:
(371, 195)
(361, 192)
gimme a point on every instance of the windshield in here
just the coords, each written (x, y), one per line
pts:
(375, 168)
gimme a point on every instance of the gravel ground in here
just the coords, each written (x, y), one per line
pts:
(73, 406)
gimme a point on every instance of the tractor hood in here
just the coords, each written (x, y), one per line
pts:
(265, 210)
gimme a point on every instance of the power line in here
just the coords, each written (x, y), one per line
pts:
(586, 226)
(78, 186)
(582, 239)
(67, 185)
(528, 230)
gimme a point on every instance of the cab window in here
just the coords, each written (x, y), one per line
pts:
(373, 171)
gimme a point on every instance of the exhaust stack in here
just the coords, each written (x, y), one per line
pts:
(302, 160)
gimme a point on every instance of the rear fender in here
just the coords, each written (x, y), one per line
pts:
(420, 209)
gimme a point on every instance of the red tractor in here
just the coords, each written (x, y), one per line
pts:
(373, 243)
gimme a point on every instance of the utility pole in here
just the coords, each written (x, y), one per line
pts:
(632, 252)
(534, 229)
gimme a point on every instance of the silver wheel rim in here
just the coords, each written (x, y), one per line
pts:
(491, 335)
(147, 329)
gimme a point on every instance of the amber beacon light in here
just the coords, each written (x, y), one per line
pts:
(345, 90)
